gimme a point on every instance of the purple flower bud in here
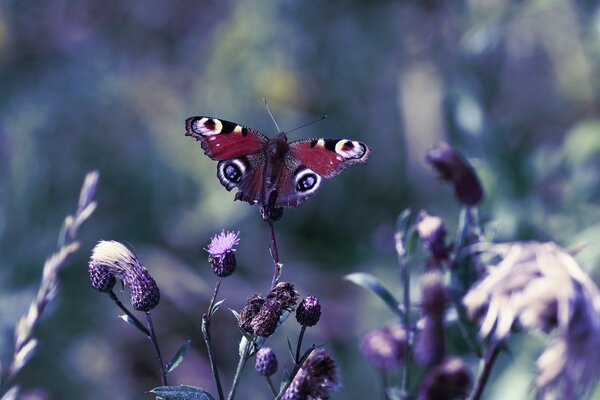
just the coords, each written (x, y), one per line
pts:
(266, 362)
(449, 380)
(221, 254)
(432, 231)
(308, 311)
(101, 278)
(384, 347)
(112, 260)
(451, 166)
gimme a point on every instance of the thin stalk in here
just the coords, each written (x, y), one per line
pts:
(207, 339)
(490, 359)
(385, 384)
(163, 371)
(240, 367)
(275, 253)
(299, 345)
(401, 250)
(271, 386)
(136, 322)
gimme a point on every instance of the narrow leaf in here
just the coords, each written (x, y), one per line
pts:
(182, 392)
(372, 283)
(178, 357)
(215, 306)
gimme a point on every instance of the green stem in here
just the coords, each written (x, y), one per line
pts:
(490, 359)
(239, 369)
(206, 318)
(299, 345)
(163, 371)
(136, 322)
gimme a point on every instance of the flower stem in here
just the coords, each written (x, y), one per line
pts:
(277, 271)
(490, 359)
(401, 250)
(207, 339)
(270, 382)
(136, 322)
(163, 371)
(299, 345)
(240, 367)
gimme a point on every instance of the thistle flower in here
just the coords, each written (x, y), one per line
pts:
(449, 380)
(308, 311)
(315, 379)
(452, 167)
(111, 260)
(284, 294)
(385, 347)
(432, 231)
(265, 322)
(261, 316)
(221, 254)
(266, 362)
(540, 286)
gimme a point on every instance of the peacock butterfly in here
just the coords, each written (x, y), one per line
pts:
(272, 172)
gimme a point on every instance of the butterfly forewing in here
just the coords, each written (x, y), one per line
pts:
(224, 140)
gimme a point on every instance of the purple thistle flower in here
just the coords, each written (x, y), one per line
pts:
(221, 253)
(266, 362)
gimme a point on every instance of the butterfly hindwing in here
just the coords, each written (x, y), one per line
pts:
(329, 157)
(224, 140)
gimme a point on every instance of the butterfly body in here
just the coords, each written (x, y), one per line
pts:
(273, 171)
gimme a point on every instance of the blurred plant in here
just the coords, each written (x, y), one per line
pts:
(25, 343)
(535, 286)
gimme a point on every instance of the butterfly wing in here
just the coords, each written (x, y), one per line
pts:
(311, 160)
(224, 140)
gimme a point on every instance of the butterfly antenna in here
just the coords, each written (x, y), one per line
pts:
(308, 123)
(271, 114)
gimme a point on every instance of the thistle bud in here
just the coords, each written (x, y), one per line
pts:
(221, 254)
(432, 232)
(111, 260)
(101, 278)
(449, 380)
(266, 362)
(452, 167)
(317, 376)
(284, 294)
(385, 347)
(430, 346)
(308, 312)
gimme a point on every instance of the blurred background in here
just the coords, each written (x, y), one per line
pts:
(107, 85)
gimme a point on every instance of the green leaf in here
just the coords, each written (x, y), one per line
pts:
(403, 220)
(178, 357)
(215, 307)
(182, 392)
(372, 283)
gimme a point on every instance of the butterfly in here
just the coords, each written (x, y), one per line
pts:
(271, 171)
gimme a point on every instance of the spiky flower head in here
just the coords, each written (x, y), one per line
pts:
(266, 361)
(221, 253)
(308, 312)
(284, 294)
(449, 380)
(315, 379)
(111, 260)
(452, 167)
(385, 347)
(540, 286)
(432, 232)
(265, 322)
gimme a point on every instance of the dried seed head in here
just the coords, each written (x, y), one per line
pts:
(308, 311)
(250, 310)
(266, 362)
(385, 347)
(265, 322)
(451, 166)
(284, 294)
